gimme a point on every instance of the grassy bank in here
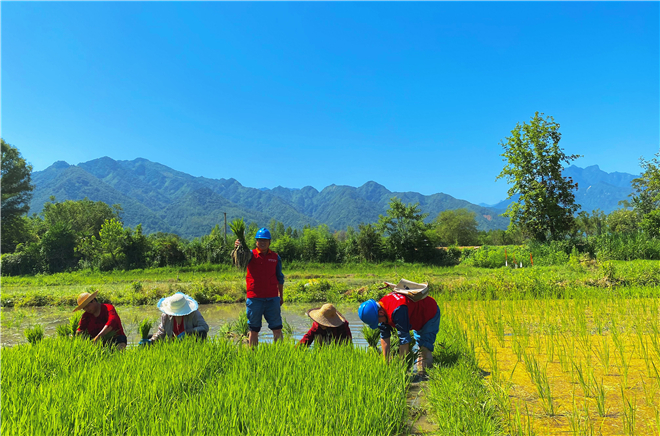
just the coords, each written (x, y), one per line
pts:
(336, 283)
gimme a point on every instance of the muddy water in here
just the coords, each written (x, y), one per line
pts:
(15, 320)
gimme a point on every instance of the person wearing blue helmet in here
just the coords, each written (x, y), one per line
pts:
(264, 282)
(398, 312)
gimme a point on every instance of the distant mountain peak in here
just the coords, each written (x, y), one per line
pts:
(59, 165)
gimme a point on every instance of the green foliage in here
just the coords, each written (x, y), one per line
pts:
(591, 225)
(16, 194)
(646, 197)
(404, 228)
(85, 217)
(534, 168)
(456, 227)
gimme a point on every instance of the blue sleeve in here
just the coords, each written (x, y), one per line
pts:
(402, 323)
(278, 271)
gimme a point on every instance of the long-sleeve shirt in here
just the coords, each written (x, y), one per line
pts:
(94, 324)
(329, 334)
(192, 323)
(401, 321)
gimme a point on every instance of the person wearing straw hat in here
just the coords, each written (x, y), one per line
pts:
(329, 326)
(100, 321)
(180, 318)
(264, 283)
(397, 312)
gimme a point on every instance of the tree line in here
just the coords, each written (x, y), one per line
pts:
(83, 234)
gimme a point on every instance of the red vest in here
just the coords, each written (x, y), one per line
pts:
(419, 313)
(261, 281)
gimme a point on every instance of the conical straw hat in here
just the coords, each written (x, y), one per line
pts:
(326, 315)
(84, 299)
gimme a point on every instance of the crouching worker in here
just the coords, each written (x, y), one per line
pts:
(100, 321)
(329, 326)
(396, 311)
(180, 318)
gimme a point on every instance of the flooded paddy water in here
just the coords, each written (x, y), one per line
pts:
(15, 320)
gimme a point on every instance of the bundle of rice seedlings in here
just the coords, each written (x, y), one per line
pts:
(372, 336)
(240, 255)
(34, 334)
(145, 327)
(74, 322)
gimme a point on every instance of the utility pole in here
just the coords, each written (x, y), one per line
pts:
(225, 227)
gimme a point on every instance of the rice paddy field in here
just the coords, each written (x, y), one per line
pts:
(567, 350)
(580, 366)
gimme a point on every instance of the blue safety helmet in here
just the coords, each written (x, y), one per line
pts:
(368, 313)
(262, 233)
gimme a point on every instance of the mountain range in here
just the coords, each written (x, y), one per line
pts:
(163, 199)
(597, 189)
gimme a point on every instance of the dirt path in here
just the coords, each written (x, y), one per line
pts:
(418, 423)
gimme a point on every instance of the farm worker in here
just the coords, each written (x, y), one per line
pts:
(328, 326)
(265, 288)
(180, 318)
(396, 311)
(100, 321)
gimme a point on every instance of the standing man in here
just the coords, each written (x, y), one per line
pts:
(265, 288)
(396, 311)
(100, 321)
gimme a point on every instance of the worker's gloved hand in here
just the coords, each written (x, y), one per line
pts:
(181, 335)
(145, 342)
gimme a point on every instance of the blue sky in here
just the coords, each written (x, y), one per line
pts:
(415, 96)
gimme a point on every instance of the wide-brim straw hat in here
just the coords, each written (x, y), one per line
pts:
(84, 299)
(326, 315)
(178, 304)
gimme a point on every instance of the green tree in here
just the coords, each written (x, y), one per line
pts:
(85, 217)
(107, 251)
(623, 221)
(17, 189)
(369, 243)
(456, 227)
(646, 195)
(534, 166)
(592, 225)
(404, 228)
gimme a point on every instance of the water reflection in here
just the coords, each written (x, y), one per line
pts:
(15, 320)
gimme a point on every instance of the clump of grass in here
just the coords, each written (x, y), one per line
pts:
(34, 334)
(287, 329)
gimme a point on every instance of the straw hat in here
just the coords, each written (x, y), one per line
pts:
(326, 315)
(178, 304)
(84, 299)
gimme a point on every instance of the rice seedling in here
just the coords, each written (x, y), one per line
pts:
(598, 392)
(540, 379)
(603, 353)
(629, 414)
(34, 334)
(287, 329)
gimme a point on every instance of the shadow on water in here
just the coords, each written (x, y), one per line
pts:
(15, 320)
